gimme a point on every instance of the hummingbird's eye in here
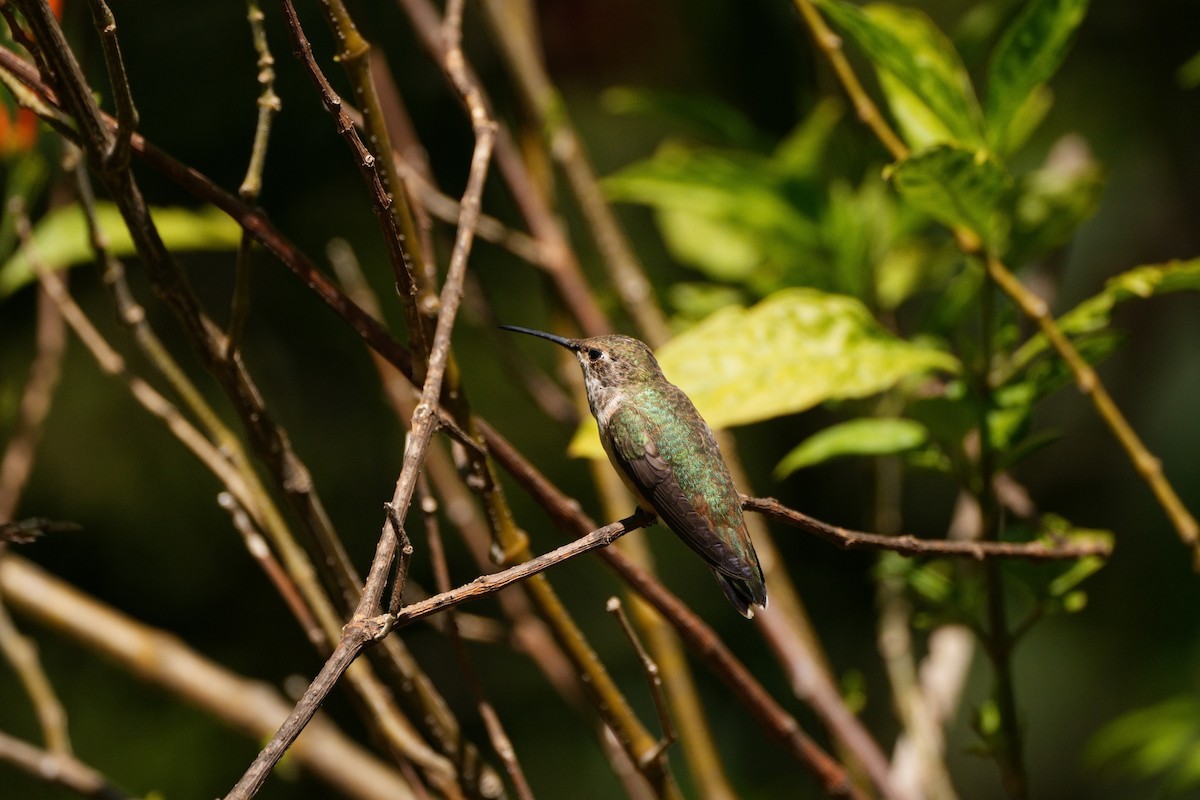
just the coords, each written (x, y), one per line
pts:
(595, 354)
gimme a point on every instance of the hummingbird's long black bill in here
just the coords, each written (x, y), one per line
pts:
(570, 344)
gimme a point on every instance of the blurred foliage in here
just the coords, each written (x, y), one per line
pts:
(60, 239)
(1158, 742)
(821, 304)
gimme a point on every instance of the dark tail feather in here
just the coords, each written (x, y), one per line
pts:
(742, 593)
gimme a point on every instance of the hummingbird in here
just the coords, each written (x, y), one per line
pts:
(668, 458)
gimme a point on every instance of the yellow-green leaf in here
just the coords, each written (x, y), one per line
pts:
(1030, 51)
(60, 238)
(959, 187)
(917, 56)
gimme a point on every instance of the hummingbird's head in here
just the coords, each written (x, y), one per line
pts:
(608, 362)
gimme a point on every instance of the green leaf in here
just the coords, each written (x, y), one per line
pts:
(1028, 54)
(792, 351)
(1161, 740)
(724, 213)
(869, 436)
(909, 48)
(1092, 316)
(60, 238)
(1027, 118)
(961, 188)
(918, 123)
(801, 153)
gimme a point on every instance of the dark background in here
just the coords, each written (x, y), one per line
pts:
(156, 546)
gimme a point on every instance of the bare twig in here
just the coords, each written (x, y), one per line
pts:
(269, 105)
(117, 157)
(558, 259)
(912, 546)
(390, 209)
(695, 734)
(93, 130)
(400, 231)
(530, 632)
(260, 551)
(653, 677)
(830, 44)
(1146, 464)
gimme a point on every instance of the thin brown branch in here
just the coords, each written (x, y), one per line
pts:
(117, 157)
(360, 632)
(273, 447)
(653, 677)
(1144, 463)
(912, 546)
(260, 551)
(269, 105)
(373, 168)
(696, 740)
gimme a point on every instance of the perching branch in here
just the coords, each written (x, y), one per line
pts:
(912, 546)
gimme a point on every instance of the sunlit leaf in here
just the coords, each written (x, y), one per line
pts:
(60, 238)
(792, 351)
(920, 126)
(905, 44)
(724, 213)
(1028, 54)
(959, 187)
(869, 436)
